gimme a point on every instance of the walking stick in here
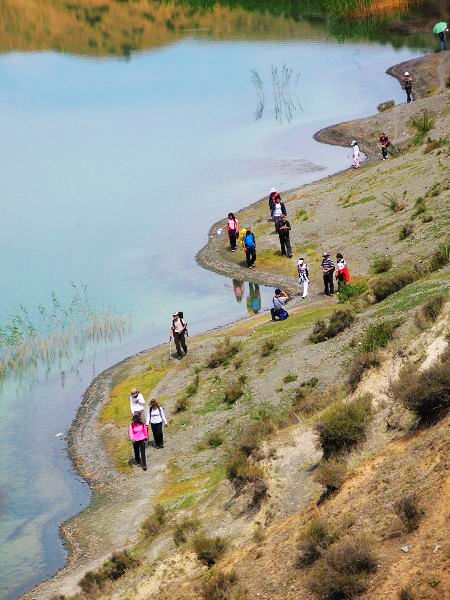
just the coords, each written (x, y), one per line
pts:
(170, 348)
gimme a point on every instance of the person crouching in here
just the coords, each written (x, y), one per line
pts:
(138, 434)
(278, 311)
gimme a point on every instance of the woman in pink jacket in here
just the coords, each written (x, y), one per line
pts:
(138, 434)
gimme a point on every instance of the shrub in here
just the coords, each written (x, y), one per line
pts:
(155, 522)
(386, 105)
(319, 332)
(209, 549)
(420, 206)
(181, 404)
(350, 290)
(260, 490)
(343, 571)
(406, 593)
(223, 353)
(425, 393)
(315, 539)
(252, 435)
(431, 310)
(268, 346)
(290, 377)
(331, 474)
(343, 424)
(112, 569)
(382, 264)
(427, 218)
(393, 203)
(184, 529)
(440, 258)
(378, 335)
(192, 388)
(422, 125)
(385, 286)
(223, 586)
(340, 320)
(408, 511)
(214, 439)
(360, 364)
(233, 392)
(435, 144)
(406, 231)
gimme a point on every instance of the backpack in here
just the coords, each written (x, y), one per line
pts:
(249, 240)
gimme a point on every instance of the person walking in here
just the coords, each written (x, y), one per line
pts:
(178, 332)
(303, 276)
(272, 196)
(137, 403)
(233, 231)
(356, 154)
(384, 143)
(342, 274)
(407, 82)
(283, 233)
(279, 209)
(443, 40)
(138, 434)
(250, 247)
(327, 266)
(278, 311)
(156, 418)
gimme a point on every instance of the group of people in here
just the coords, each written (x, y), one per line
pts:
(141, 418)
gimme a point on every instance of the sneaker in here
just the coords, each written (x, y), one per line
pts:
(233, 249)
(144, 468)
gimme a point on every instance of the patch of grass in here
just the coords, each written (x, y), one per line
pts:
(213, 439)
(267, 347)
(378, 335)
(422, 125)
(290, 377)
(184, 493)
(224, 352)
(425, 393)
(343, 425)
(339, 320)
(386, 105)
(111, 570)
(301, 215)
(117, 409)
(314, 540)
(223, 586)
(394, 203)
(427, 218)
(420, 206)
(351, 290)
(406, 593)
(233, 392)
(381, 264)
(383, 287)
(331, 475)
(343, 571)
(360, 364)
(120, 450)
(430, 311)
(435, 144)
(408, 510)
(209, 549)
(184, 529)
(181, 404)
(192, 388)
(440, 258)
(406, 231)
(153, 524)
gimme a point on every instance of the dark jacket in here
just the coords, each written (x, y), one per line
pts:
(284, 232)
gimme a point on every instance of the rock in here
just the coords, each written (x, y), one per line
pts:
(406, 548)
(436, 548)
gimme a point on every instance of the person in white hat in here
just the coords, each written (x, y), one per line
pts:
(137, 403)
(407, 84)
(178, 332)
(356, 154)
(272, 197)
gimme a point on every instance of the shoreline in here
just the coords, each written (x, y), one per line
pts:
(79, 436)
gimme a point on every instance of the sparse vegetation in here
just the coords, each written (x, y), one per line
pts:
(383, 287)
(408, 511)
(386, 105)
(181, 404)
(381, 264)
(343, 425)
(111, 570)
(290, 377)
(209, 549)
(340, 320)
(420, 206)
(351, 290)
(301, 215)
(233, 392)
(223, 586)
(430, 311)
(214, 439)
(331, 474)
(184, 529)
(393, 202)
(224, 352)
(153, 524)
(422, 125)
(406, 593)
(315, 539)
(435, 144)
(192, 388)
(360, 364)
(378, 335)
(268, 346)
(406, 231)
(440, 258)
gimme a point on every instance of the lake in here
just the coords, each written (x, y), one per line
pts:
(127, 130)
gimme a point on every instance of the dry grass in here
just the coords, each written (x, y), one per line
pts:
(209, 549)
(223, 353)
(341, 319)
(407, 509)
(331, 474)
(360, 364)
(314, 540)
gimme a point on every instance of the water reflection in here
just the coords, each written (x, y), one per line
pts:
(252, 297)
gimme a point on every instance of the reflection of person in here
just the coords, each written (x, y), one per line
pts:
(178, 333)
(156, 418)
(407, 84)
(238, 287)
(443, 40)
(254, 299)
(137, 403)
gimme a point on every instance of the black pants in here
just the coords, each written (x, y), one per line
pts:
(341, 281)
(384, 152)
(328, 283)
(180, 342)
(232, 236)
(250, 255)
(157, 430)
(139, 452)
(285, 244)
(408, 94)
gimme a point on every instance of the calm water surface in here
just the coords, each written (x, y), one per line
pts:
(112, 172)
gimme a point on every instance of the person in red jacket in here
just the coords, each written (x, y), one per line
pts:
(342, 274)
(138, 434)
(384, 144)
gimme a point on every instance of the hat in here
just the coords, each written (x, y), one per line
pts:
(175, 314)
(134, 391)
(301, 258)
(406, 73)
(353, 143)
(272, 190)
(326, 254)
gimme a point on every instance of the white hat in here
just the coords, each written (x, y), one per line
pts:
(353, 143)
(406, 73)
(326, 254)
(175, 314)
(273, 190)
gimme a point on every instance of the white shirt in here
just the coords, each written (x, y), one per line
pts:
(279, 302)
(156, 415)
(137, 404)
(277, 211)
(355, 150)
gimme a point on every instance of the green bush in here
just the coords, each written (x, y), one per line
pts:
(381, 264)
(343, 424)
(315, 539)
(233, 392)
(378, 335)
(290, 377)
(153, 524)
(344, 569)
(440, 258)
(214, 439)
(394, 204)
(209, 549)
(351, 290)
(223, 353)
(420, 206)
(111, 570)
(385, 286)
(425, 393)
(268, 346)
(341, 319)
(331, 475)
(360, 364)
(408, 510)
(184, 529)
(422, 125)
(405, 231)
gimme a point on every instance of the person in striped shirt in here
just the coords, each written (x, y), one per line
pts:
(327, 267)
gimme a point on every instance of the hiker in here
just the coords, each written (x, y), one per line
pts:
(327, 266)
(233, 231)
(303, 276)
(156, 418)
(342, 274)
(384, 143)
(137, 403)
(283, 233)
(138, 434)
(278, 210)
(356, 154)
(443, 40)
(407, 84)
(254, 298)
(250, 247)
(238, 287)
(278, 311)
(178, 333)
(273, 194)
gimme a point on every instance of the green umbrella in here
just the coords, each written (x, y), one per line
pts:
(439, 27)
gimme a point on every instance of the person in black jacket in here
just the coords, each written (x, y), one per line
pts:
(283, 233)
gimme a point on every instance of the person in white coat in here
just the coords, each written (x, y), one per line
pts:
(303, 276)
(137, 404)
(356, 155)
(156, 418)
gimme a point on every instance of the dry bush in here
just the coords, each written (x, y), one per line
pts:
(408, 510)
(209, 549)
(420, 206)
(233, 392)
(192, 388)
(111, 570)
(431, 310)
(405, 231)
(184, 529)
(331, 474)
(440, 258)
(253, 434)
(223, 586)
(386, 105)
(259, 534)
(406, 593)
(223, 353)
(260, 491)
(314, 540)
(381, 264)
(383, 287)
(290, 377)
(343, 425)
(394, 204)
(155, 522)
(425, 393)
(344, 569)
(360, 364)
(181, 404)
(267, 347)
(341, 319)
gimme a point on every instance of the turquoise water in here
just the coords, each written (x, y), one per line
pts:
(112, 172)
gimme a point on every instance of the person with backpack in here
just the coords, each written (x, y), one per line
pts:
(327, 266)
(156, 418)
(384, 143)
(250, 247)
(233, 231)
(279, 210)
(303, 276)
(407, 82)
(278, 311)
(138, 434)
(284, 228)
(137, 403)
(178, 332)
(342, 274)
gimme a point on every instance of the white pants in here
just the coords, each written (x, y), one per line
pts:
(305, 287)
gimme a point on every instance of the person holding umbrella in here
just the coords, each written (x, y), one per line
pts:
(441, 30)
